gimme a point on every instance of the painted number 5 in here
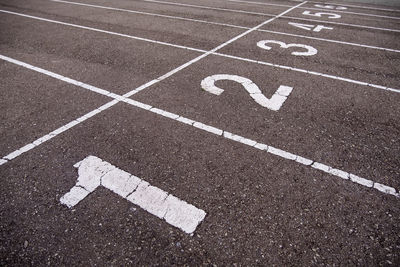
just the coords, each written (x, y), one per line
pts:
(310, 50)
(320, 14)
(273, 103)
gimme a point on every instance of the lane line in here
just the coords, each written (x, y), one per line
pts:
(116, 97)
(99, 30)
(376, 86)
(223, 24)
(199, 125)
(314, 8)
(269, 15)
(149, 14)
(362, 7)
(94, 172)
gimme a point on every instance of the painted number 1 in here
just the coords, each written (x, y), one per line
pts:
(274, 103)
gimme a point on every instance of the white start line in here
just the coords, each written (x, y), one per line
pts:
(94, 172)
(208, 128)
(214, 52)
(224, 25)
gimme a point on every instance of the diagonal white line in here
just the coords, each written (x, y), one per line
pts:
(265, 14)
(222, 24)
(313, 8)
(381, 87)
(116, 97)
(208, 128)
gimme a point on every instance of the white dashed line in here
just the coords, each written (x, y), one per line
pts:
(226, 25)
(208, 128)
(265, 14)
(93, 172)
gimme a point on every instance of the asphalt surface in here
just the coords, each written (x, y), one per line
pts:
(262, 208)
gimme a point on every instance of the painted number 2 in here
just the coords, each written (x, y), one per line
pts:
(273, 103)
(310, 50)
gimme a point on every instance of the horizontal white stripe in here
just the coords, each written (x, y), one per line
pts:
(199, 125)
(224, 25)
(219, 54)
(266, 14)
(313, 8)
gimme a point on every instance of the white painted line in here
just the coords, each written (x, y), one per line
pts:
(150, 14)
(278, 152)
(116, 97)
(332, 41)
(93, 172)
(313, 8)
(226, 25)
(234, 57)
(395, 90)
(270, 15)
(362, 7)
(290, 156)
(102, 31)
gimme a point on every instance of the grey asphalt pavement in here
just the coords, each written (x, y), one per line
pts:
(183, 94)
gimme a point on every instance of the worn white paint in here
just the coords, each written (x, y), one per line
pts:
(337, 8)
(273, 103)
(270, 15)
(74, 198)
(94, 172)
(310, 50)
(322, 14)
(309, 27)
(233, 57)
(117, 98)
(316, 29)
(331, 7)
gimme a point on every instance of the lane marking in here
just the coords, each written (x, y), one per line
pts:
(149, 14)
(94, 172)
(208, 128)
(274, 103)
(311, 51)
(314, 8)
(265, 14)
(332, 41)
(376, 86)
(381, 87)
(116, 97)
(362, 7)
(102, 31)
(225, 25)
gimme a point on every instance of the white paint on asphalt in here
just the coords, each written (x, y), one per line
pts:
(99, 30)
(311, 51)
(274, 103)
(94, 172)
(117, 98)
(208, 128)
(270, 15)
(213, 52)
(317, 28)
(319, 8)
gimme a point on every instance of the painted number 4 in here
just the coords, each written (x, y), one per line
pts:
(273, 103)
(309, 27)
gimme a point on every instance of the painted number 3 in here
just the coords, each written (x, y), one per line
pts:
(310, 50)
(273, 103)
